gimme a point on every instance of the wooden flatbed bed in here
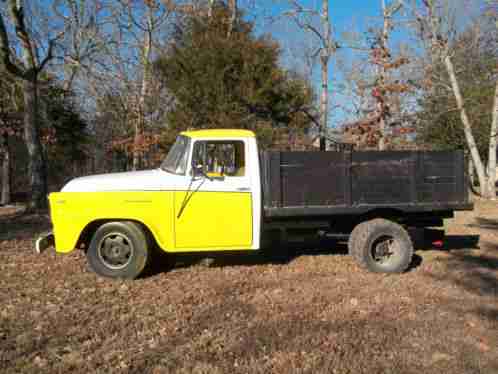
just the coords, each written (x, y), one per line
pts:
(301, 184)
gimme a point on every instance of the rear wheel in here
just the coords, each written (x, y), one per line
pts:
(119, 250)
(381, 246)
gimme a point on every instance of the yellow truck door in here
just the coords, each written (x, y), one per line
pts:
(214, 211)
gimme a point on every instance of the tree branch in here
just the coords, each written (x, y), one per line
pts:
(49, 55)
(309, 27)
(17, 13)
(5, 52)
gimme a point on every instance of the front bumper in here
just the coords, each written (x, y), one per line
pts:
(44, 241)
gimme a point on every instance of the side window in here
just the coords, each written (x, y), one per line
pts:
(221, 158)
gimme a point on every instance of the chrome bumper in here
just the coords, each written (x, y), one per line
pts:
(44, 241)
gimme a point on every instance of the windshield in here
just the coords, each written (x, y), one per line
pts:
(176, 160)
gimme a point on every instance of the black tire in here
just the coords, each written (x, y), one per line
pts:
(353, 238)
(119, 250)
(381, 246)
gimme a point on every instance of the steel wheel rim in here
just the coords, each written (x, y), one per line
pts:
(385, 249)
(115, 250)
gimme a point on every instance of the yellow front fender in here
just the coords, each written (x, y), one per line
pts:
(71, 212)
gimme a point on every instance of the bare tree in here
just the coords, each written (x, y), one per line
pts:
(210, 8)
(142, 26)
(84, 40)
(493, 11)
(376, 81)
(28, 69)
(10, 126)
(232, 6)
(325, 54)
(383, 58)
(6, 169)
(434, 20)
(305, 20)
(119, 81)
(146, 50)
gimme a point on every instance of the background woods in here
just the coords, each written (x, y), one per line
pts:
(105, 85)
(218, 80)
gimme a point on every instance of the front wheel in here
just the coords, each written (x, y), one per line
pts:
(381, 246)
(119, 250)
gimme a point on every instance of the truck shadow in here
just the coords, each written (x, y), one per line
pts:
(450, 243)
(484, 223)
(285, 253)
(276, 255)
(19, 225)
(460, 242)
(427, 240)
(474, 272)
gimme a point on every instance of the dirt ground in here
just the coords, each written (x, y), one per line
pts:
(297, 311)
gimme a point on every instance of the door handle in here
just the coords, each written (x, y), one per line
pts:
(243, 189)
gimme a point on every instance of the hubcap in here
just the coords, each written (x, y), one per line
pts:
(115, 251)
(385, 250)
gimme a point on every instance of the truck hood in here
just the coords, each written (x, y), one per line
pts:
(146, 180)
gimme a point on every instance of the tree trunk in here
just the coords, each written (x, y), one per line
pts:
(210, 9)
(383, 77)
(324, 59)
(324, 102)
(140, 120)
(232, 5)
(5, 198)
(37, 167)
(471, 173)
(382, 130)
(136, 145)
(467, 129)
(492, 149)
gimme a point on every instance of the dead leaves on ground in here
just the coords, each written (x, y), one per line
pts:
(304, 312)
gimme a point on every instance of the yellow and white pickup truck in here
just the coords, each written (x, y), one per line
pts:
(216, 192)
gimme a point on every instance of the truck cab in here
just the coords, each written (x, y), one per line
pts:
(205, 196)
